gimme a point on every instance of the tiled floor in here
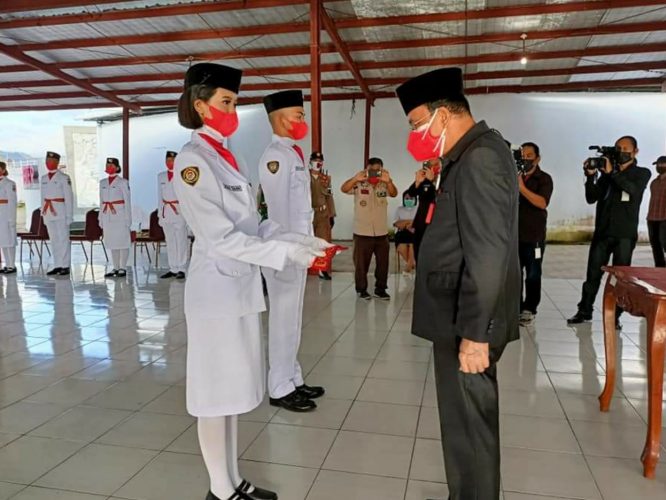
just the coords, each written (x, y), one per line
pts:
(92, 399)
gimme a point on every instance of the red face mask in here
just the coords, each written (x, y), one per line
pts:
(111, 170)
(52, 165)
(298, 130)
(225, 123)
(422, 145)
(169, 164)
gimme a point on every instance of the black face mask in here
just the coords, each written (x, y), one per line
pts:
(529, 164)
(624, 157)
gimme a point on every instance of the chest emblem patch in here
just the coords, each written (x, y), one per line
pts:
(273, 166)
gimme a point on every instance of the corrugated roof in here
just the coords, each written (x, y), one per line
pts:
(148, 50)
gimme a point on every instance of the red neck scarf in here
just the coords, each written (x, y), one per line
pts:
(111, 179)
(298, 150)
(169, 175)
(221, 150)
(51, 174)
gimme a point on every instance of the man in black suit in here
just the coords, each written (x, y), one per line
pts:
(618, 192)
(467, 294)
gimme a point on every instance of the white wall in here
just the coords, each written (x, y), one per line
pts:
(564, 125)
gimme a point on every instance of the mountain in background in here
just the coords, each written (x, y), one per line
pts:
(15, 155)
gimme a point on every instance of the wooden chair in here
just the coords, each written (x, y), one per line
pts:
(154, 237)
(37, 233)
(91, 233)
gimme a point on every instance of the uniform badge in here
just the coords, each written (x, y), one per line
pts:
(190, 175)
(273, 166)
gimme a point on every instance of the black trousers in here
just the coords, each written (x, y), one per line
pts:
(531, 259)
(601, 250)
(469, 420)
(657, 233)
(364, 248)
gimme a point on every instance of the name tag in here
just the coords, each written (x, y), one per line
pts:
(365, 191)
(300, 169)
(233, 188)
(625, 196)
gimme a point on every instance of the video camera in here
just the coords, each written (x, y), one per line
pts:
(599, 162)
(517, 152)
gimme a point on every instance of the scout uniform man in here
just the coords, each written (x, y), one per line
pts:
(322, 202)
(58, 213)
(286, 186)
(7, 220)
(172, 221)
(371, 189)
(115, 217)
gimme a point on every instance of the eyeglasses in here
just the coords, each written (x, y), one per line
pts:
(415, 125)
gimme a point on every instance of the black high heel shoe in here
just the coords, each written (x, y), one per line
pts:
(257, 493)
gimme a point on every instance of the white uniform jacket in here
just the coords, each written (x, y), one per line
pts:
(286, 185)
(168, 210)
(57, 197)
(115, 202)
(219, 207)
(7, 212)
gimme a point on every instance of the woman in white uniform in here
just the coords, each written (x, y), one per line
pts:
(115, 217)
(223, 294)
(7, 220)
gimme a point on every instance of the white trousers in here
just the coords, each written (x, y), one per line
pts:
(177, 244)
(60, 244)
(286, 291)
(119, 258)
(9, 256)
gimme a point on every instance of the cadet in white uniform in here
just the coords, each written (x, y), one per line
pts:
(7, 221)
(286, 185)
(223, 293)
(115, 217)
(58, 213)
(172, 221)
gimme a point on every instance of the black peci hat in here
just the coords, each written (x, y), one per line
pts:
(316, 156)
(171, 154)
(661, 159)
(284, 99)
(214, 75)
(113, 161)
(443, 83)
(52, 155)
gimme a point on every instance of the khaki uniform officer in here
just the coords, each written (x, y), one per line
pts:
(322, 202)
(58, 213)
(286, 186)
(7, 220)
(371, 189)
(115, 217)
(172, 221)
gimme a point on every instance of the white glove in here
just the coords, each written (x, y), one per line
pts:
(316, 243)
(302, 255)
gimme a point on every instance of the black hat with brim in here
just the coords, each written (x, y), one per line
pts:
(113, 161)
(661, 159)
(171, 154)
(214, 75)
(284, 99)
(316, 156)
(52, 155)
(443, 83)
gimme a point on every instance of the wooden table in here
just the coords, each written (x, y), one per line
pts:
(640, 291)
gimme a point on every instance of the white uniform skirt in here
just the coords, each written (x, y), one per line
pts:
(116, 235)
(226, 368)
(7, 234)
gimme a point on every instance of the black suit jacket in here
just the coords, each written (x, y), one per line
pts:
(618, 197)
(468, 277)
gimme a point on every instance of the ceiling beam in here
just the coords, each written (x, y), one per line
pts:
(14, 53)
(288, 28)
(185, 9)
(343, 50)
(30, 5)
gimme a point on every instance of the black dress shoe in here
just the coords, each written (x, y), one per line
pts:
(9, 270)
(121, 273)
(54, 271)
(323, 275)
(180, 275)
(256, 493)
(382, 295)
(111, 274)
(364, 295)
(294, 401)
(237, 495)
(168, 275)
(64, 271)
(311, 392)
(579, 318)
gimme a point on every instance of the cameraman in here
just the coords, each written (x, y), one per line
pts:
(656, 219)
(424, 189)
(536, 188)
(618, 191)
